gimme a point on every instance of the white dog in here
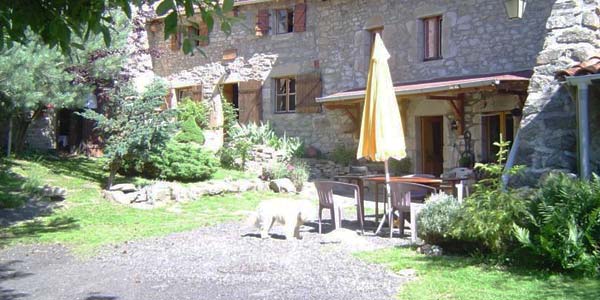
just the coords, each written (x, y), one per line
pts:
(289, 213)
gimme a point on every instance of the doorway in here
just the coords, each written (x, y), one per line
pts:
(231, 94)
(432, 145)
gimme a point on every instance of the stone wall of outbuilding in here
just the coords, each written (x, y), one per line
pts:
(548, 128)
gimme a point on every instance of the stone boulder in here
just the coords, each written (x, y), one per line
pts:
(123, 187)
(54, 193)
(282, 185)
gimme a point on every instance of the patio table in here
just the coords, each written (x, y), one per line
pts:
(380, 180)
(359, 179)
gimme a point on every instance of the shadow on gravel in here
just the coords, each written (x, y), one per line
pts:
(8, 272)
(36, 227)
(98, 296)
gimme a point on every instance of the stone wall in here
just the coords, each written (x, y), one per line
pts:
(41, 134)
(478, 38)
(548, 127)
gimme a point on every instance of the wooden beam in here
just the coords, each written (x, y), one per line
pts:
(443, 97)
(458, 108)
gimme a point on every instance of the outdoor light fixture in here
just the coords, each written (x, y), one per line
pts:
(515, 8)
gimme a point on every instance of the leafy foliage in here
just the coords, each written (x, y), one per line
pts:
(487, 216)
(563, 226)
(135, 127)
(242, 138)
(185, 162)
(437, 218)
(343, 155)
(190, 133)
(197, 111)
(70, 23)
(296, 171)
(401, 167)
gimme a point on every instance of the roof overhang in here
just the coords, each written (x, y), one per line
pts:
(582, 79)
(441, 85)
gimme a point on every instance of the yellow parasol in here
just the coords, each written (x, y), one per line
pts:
(381, 134)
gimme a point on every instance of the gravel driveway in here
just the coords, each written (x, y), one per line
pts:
(219, 262)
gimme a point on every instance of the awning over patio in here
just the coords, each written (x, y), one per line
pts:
(497, 81)
(450, 89)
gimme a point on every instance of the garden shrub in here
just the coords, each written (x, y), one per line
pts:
(564, 224)
(436, 219)
(297, 171)
(343, 156)
(487, 216)
(242, 138)
(192, 110)
(190, 133)
(185, 162)
(400, 167)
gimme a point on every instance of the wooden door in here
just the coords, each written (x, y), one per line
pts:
(250, 101)
(432, 145)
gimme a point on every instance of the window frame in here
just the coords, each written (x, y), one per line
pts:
(438, 22)
(287, 95)
(181, 90)
(289, 20)
(487, 152)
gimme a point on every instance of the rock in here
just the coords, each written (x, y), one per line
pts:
(123, 187)
(159, 192)
(119, 197)
(54, 193)
(430, 250)
(283, 185)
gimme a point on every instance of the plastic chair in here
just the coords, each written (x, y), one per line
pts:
(402, 195)
(326, 191)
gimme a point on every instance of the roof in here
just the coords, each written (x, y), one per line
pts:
(587, 67)
(245, 2)
(437, 85)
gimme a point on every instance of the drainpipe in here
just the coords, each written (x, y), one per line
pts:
(583, 130)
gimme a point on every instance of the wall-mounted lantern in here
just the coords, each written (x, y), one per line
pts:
(515, 8)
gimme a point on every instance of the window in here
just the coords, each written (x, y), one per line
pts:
(432, 38)
(493, 126)
(285, 95)
(198, 36)
(189, 92)
(284, 21)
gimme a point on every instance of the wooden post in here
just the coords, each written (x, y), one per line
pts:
(9, 145)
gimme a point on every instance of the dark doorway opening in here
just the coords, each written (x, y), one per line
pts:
(432, 145)
(231, 94)
(69, 130)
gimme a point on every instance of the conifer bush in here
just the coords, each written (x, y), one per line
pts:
(185, 162)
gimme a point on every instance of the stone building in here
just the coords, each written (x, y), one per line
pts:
(465, 73)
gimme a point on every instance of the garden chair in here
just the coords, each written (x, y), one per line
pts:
(403, 195)
(326, 191)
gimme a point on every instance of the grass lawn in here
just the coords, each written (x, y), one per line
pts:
(87, 220)
(465, 278)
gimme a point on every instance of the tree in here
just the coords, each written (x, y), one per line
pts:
(32, 78)
(70, 23)
(135, 127)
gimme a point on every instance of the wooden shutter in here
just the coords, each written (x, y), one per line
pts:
(197, 93)
(262, 23)
(300, 17)
(203, 35)
(174, 42)
(250, 101)
(308, 88)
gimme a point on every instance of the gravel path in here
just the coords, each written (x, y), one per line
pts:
(219, 262)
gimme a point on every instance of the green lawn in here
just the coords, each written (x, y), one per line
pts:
(88, 221)
(464, 278)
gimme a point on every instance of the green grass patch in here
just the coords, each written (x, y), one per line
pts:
(87, 221)
(223, 173)
(465, 278)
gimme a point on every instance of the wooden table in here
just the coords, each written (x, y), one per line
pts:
(359, 179)
(379, 180)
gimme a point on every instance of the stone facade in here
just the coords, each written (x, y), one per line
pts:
(548, 129)
(477, 38)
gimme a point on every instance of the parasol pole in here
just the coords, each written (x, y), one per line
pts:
(388, 197)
